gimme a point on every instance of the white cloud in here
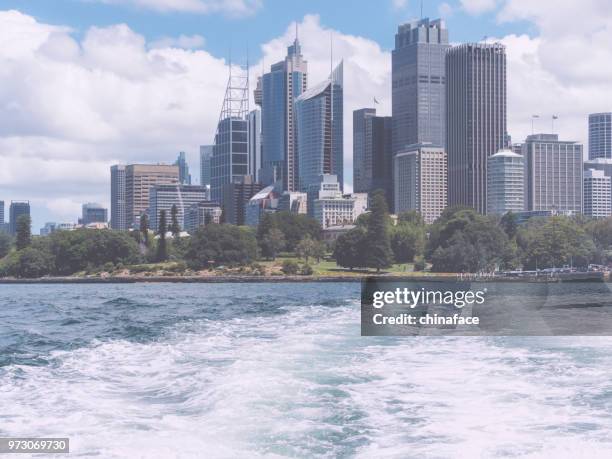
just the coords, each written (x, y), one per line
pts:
(399, 4)
(445, 10)
(182, 41)
(478, 6)
(230, 7)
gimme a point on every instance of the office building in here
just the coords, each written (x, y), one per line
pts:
(372, 154)
(329, 206)
(418, 77)
(184, 175)
(230, 159)
(295, 202)
(93, 213)
(420, 184)
(599, 164)
(505, 183)
(163, 197)
(201, 214)
(139, 179)
(276, 93)
(118, 198)
(206, 152)
(600, 135)
(596, 194)
(265, 201)
(1, 212)
(553, 173)
(255, 146)
(236, 196)
(16, 210)
(319, 125)
(475, 119)
(523, 217)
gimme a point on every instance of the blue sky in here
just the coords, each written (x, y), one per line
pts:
(85, 84)
(376, 20)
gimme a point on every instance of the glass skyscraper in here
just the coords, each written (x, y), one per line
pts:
(118, 198)
(319, 124)
(230, 160)
(184, 175)
(600, 135)
(418, 82)
(206, 152)
(276, 93)
(505, 183)
(475, 119)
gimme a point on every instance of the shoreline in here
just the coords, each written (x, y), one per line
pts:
(447, 277)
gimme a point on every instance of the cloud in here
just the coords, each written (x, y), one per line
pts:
(229, 7)
(182, 41)
(399, 4)
(476, 7)
(445, 10)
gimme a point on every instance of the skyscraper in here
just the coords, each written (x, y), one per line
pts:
(505, 183)
(1, 212)
(420, 181)
(276, 93)
(206, 152)
(319, 125)
(230, 159)
(163, 197)
(475, 119)
(372, 155)
(600, 135)
(118, 208)
(597, 197)
(553, 174)
(418, 84)
(254, 119)
(184, 175)
(139, 178)
(16, 210)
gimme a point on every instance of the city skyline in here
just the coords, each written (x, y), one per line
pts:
(59, 170)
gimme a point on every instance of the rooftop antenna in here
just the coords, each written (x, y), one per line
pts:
(421, 9)
(296, 31)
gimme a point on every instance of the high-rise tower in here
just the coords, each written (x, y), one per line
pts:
(276, 93)
(475, 119)
(418, 82)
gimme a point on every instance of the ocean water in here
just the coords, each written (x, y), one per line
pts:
(280, 370)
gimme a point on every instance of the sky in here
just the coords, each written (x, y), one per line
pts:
(85, 84)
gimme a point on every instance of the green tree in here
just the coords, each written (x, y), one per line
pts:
(378, 240)
(272, 243)
(144, 229)
(296, 227)
(24, 232)
(162, 248)
(33, 262)
(215, 245)
(349, 251)
(309, 247)
(175, 227)
(411, 217)
(5, 244)
(509, 224)
(407, 241)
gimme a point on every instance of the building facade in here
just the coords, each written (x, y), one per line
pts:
(139, 179)
(93, 213)
(254, 120)
(295, 202)
(118, 219)
(184, 175)
(201, 214)
(276, 94)
(319, 124)
(553, 173)
(206, 152)
(418, 84)
(236, 196)
(505, 183)
(420, 184)
(596, 194)
(17, 209)
(230, 160)
(475, 119)
(600, 135)
(264, 201)
(163, 197)
(372, 153)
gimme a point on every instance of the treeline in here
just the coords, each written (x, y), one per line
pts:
(462, 240)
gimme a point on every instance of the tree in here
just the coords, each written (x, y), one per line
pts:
(349, 249)
(296, 227)
(144, 229)
(215, 245)
(5, 244)
(175, 228)
(33, 263)
(509, 224)
(407, 241)
(24, 232)
(162, 248)
(308, 247)
(412, 217)
(272, 243)
(378, 241)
